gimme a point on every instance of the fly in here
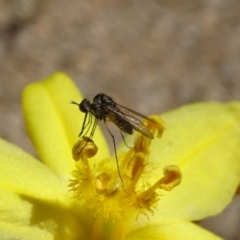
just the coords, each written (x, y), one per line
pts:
(103, 108)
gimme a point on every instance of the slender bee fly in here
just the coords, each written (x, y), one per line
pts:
(104, 108)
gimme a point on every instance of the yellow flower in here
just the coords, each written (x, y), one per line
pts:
(53, 199)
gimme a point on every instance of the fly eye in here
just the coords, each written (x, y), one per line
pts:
(84, 106)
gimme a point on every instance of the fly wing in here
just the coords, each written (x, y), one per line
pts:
(114, 114)
(136, 113)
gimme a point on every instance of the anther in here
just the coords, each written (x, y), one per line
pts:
(156, 125)
(84, 147)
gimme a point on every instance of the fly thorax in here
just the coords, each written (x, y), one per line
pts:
(98, 111)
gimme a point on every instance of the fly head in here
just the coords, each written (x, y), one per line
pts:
(85, 106)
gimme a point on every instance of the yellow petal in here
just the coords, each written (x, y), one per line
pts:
(54, 124)
(176, 230)
(203, 139)
(11, 231)
(34, 199)
(15, 218)
(27, 218)
(21, 173)
(14, 210)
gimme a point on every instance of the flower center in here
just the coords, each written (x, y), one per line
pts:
(107, 196)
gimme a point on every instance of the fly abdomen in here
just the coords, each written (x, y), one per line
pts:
(123, 125)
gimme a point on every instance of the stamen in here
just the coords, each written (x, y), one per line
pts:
(84, 146)
(137, 167)
(156, 125)
(125, 160)
(97, 228)
(141, 144)
(106, 185)
(109, 198)
(118, 231)
(172, 177)
(82, 184)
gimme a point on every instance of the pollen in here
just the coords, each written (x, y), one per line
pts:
(110, 197)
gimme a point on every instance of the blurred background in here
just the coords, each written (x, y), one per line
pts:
(151, 56)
